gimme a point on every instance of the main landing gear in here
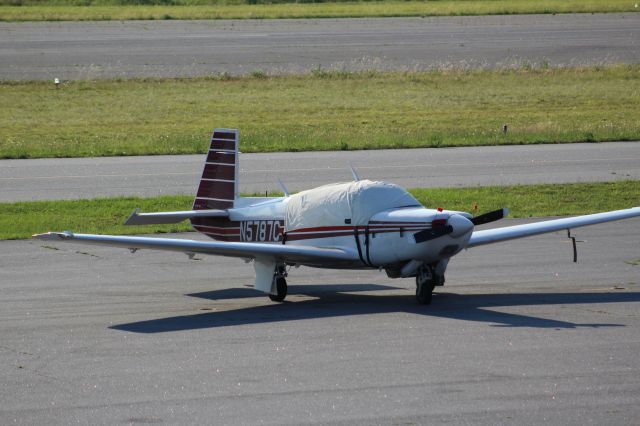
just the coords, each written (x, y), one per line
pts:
(279, 284)
(426, 281)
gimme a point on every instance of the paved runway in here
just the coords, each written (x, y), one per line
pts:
(519, 335)
(442, 167)
(80, 50)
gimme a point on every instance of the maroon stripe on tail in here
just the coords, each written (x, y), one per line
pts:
(224, 135)
(217, 171)
(223, 144)
(216, 189)
(202, 204)
(221, 157)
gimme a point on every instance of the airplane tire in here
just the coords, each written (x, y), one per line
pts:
(281, 289)
(424, 294)
(424, 289)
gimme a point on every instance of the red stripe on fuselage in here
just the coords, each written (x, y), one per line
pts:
(342, 231)
(379, 225)
(224, 229)
(217, 230)
(227, 238)
(378, 222)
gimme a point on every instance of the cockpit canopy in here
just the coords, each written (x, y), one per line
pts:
(340, 204)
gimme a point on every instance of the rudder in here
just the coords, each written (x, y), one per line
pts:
(218, 187)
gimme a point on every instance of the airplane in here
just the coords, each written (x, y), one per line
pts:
(361, 224)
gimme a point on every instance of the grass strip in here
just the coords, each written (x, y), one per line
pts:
(21, 220)
(323, 110)
(87, 10)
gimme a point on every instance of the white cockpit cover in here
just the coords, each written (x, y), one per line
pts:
(331, 205)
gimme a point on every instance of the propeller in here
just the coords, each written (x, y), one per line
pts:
(439, 228)
(455, 225)
(489, 217)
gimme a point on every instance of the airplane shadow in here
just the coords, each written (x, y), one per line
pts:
(310, 289)
(329, 303)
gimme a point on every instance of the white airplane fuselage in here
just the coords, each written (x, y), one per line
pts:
(386, 241)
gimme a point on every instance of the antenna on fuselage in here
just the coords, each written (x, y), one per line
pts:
(355, 174)
(284, 188)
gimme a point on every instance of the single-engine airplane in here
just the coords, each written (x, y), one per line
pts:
(355, 225)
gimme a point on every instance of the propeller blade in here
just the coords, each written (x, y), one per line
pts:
(430, 234)
(490, 217)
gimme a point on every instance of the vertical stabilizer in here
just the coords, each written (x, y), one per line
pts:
(219, 183)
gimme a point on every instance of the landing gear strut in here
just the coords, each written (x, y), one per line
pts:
(279, 284)
(426, 280)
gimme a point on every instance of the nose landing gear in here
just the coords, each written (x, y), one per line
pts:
(426, 280)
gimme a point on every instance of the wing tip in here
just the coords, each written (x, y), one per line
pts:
(132, 220)
(66, 235)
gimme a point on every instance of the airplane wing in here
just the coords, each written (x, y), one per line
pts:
(279, 252)
(490, 236)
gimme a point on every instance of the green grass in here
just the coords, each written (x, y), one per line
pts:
(21, 220)
(103, 215)
(324, 110)
(536, 200)
(83, 10)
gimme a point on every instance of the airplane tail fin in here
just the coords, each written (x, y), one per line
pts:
(219, 183)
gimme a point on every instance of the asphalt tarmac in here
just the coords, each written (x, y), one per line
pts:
(518, 335)
(83, 50)
(22, 180)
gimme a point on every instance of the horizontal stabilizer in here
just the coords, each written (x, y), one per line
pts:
(138, 218)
